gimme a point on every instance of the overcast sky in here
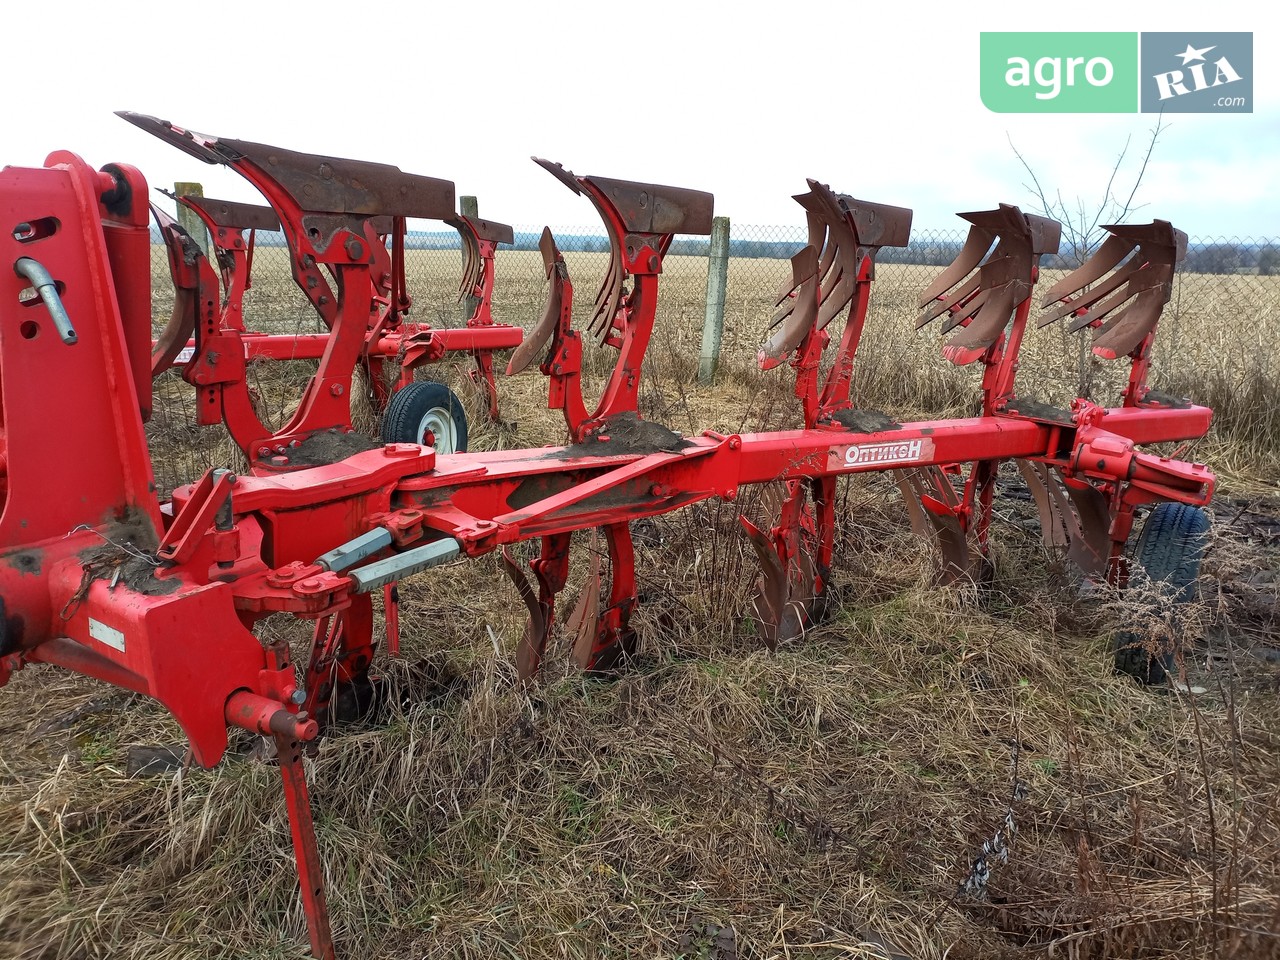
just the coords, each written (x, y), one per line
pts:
(743, 99)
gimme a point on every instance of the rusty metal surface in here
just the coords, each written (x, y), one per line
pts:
(194, 144)
(533, 345)
(783, 598)
(338, 185)
(485, 229)
(933, 507)
(318, 184)
(610, 294)
(796, 310)
(1091, 550)
(655, 208)
(1053, 531)
(640, 219)
(472, 264)
(182, 321)
(1124, 308)
(558, 171)
(234, 215)
(978, 308)
(878, 224)
(534, 639)
(843, 232)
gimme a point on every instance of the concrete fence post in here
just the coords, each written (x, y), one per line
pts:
(717, 280)
(468, 207)
(187, 218)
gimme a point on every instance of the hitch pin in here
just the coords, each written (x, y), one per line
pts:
(47, 287)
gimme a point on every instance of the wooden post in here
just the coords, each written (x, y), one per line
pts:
(717, 280)
(187, 218)
(468, 207)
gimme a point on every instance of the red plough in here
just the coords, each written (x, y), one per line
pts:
(162, 598)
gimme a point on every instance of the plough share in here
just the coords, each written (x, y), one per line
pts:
(162, 598)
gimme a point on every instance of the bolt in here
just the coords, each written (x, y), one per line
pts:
(309, 584)
(264, 451)
(336, 389)
(323, 300)
(298, 697)
(279, 461)
(355, 249)
(735, 443)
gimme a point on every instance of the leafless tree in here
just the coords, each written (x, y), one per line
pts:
(1082, 219)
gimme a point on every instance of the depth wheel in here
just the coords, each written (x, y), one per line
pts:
(429, 413)
(1170, 549)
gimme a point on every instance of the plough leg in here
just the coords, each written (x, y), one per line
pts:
(551, 570)
(338, 669)
(482, 376)
(935, 511)
(794, 563)
(391, 607)
(605, 639)
(310, 871)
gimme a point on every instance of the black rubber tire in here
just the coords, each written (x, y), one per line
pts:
(1170, 549)
(416, 405)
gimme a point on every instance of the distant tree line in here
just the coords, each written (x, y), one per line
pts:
(1202, 257)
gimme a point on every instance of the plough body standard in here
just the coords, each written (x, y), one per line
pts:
(97, 575)
(358, 289)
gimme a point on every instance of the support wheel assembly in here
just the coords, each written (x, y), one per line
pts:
(429, 413)
(1170, 549)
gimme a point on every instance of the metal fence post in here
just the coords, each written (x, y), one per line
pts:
(187, 218)
(717, 280)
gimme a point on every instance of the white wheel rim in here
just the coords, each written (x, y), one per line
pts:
(437, 429)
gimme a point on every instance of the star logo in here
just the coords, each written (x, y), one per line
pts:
(1191, 53)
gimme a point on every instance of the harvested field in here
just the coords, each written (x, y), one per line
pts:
(716, 801)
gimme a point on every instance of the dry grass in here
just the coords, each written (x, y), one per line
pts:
(714, 802)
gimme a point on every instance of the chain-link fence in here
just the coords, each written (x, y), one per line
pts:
(1216, 341)
(1221, 321)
